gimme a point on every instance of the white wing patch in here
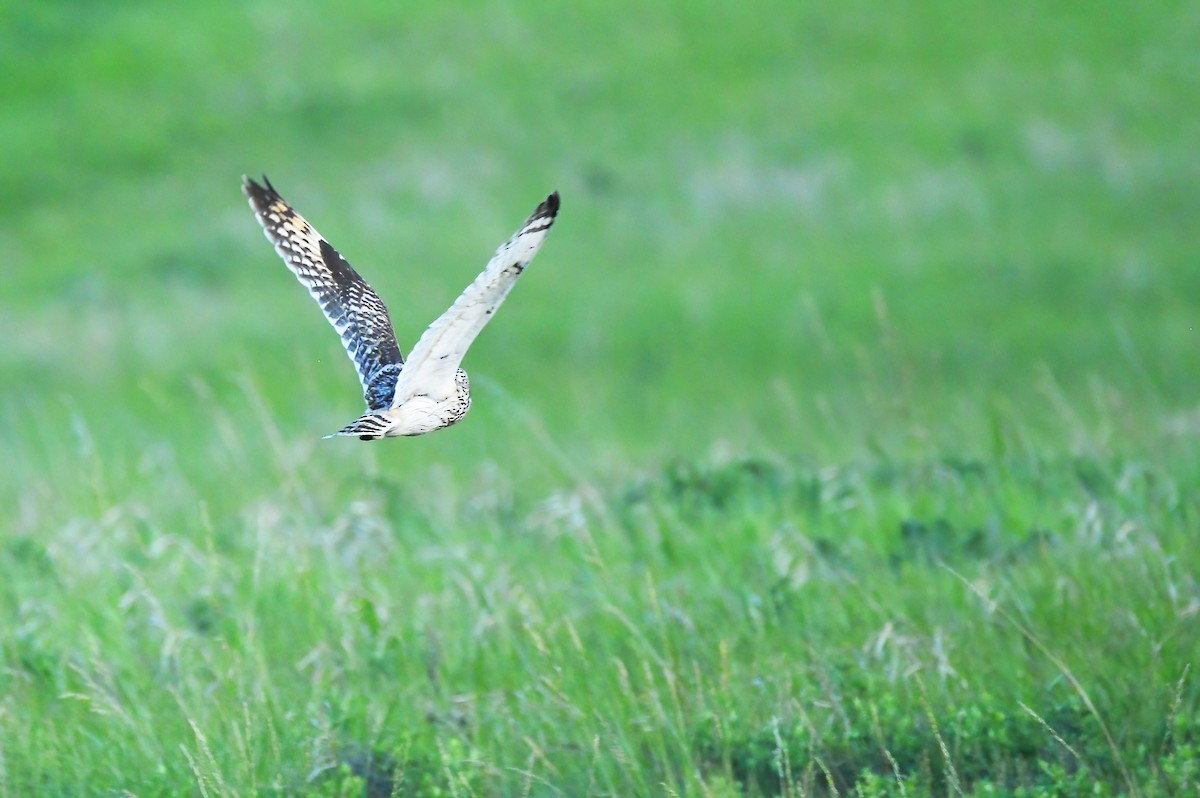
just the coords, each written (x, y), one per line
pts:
(433, 362)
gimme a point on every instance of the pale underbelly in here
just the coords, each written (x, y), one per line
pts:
(420, 415)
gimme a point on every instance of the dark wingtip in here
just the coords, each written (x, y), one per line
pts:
(252, 188)
(548, 209)
(545, 212)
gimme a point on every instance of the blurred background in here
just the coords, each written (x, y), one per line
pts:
(809, 228)
(841, 296)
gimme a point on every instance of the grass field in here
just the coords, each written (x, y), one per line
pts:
(842, 440)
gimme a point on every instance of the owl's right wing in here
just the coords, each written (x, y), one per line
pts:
(351, 306)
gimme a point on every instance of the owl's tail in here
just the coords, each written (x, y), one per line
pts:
(370, 427)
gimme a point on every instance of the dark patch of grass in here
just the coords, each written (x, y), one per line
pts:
(992, 746)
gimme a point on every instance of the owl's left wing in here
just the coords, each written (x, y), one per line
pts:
(432, 364)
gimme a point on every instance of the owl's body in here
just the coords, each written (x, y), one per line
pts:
(418, 415)
(429, 391)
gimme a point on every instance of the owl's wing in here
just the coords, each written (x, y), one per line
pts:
(350, 305)
(435, 359)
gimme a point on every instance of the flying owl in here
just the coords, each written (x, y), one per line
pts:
(404, 397)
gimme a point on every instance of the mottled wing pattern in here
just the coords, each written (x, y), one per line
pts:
(435, 359)
(350, 305)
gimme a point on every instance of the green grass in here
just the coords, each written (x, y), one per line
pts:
(842, 440)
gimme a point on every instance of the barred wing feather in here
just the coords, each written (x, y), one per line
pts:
(348, 302)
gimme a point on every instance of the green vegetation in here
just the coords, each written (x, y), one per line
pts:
(841, 441)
